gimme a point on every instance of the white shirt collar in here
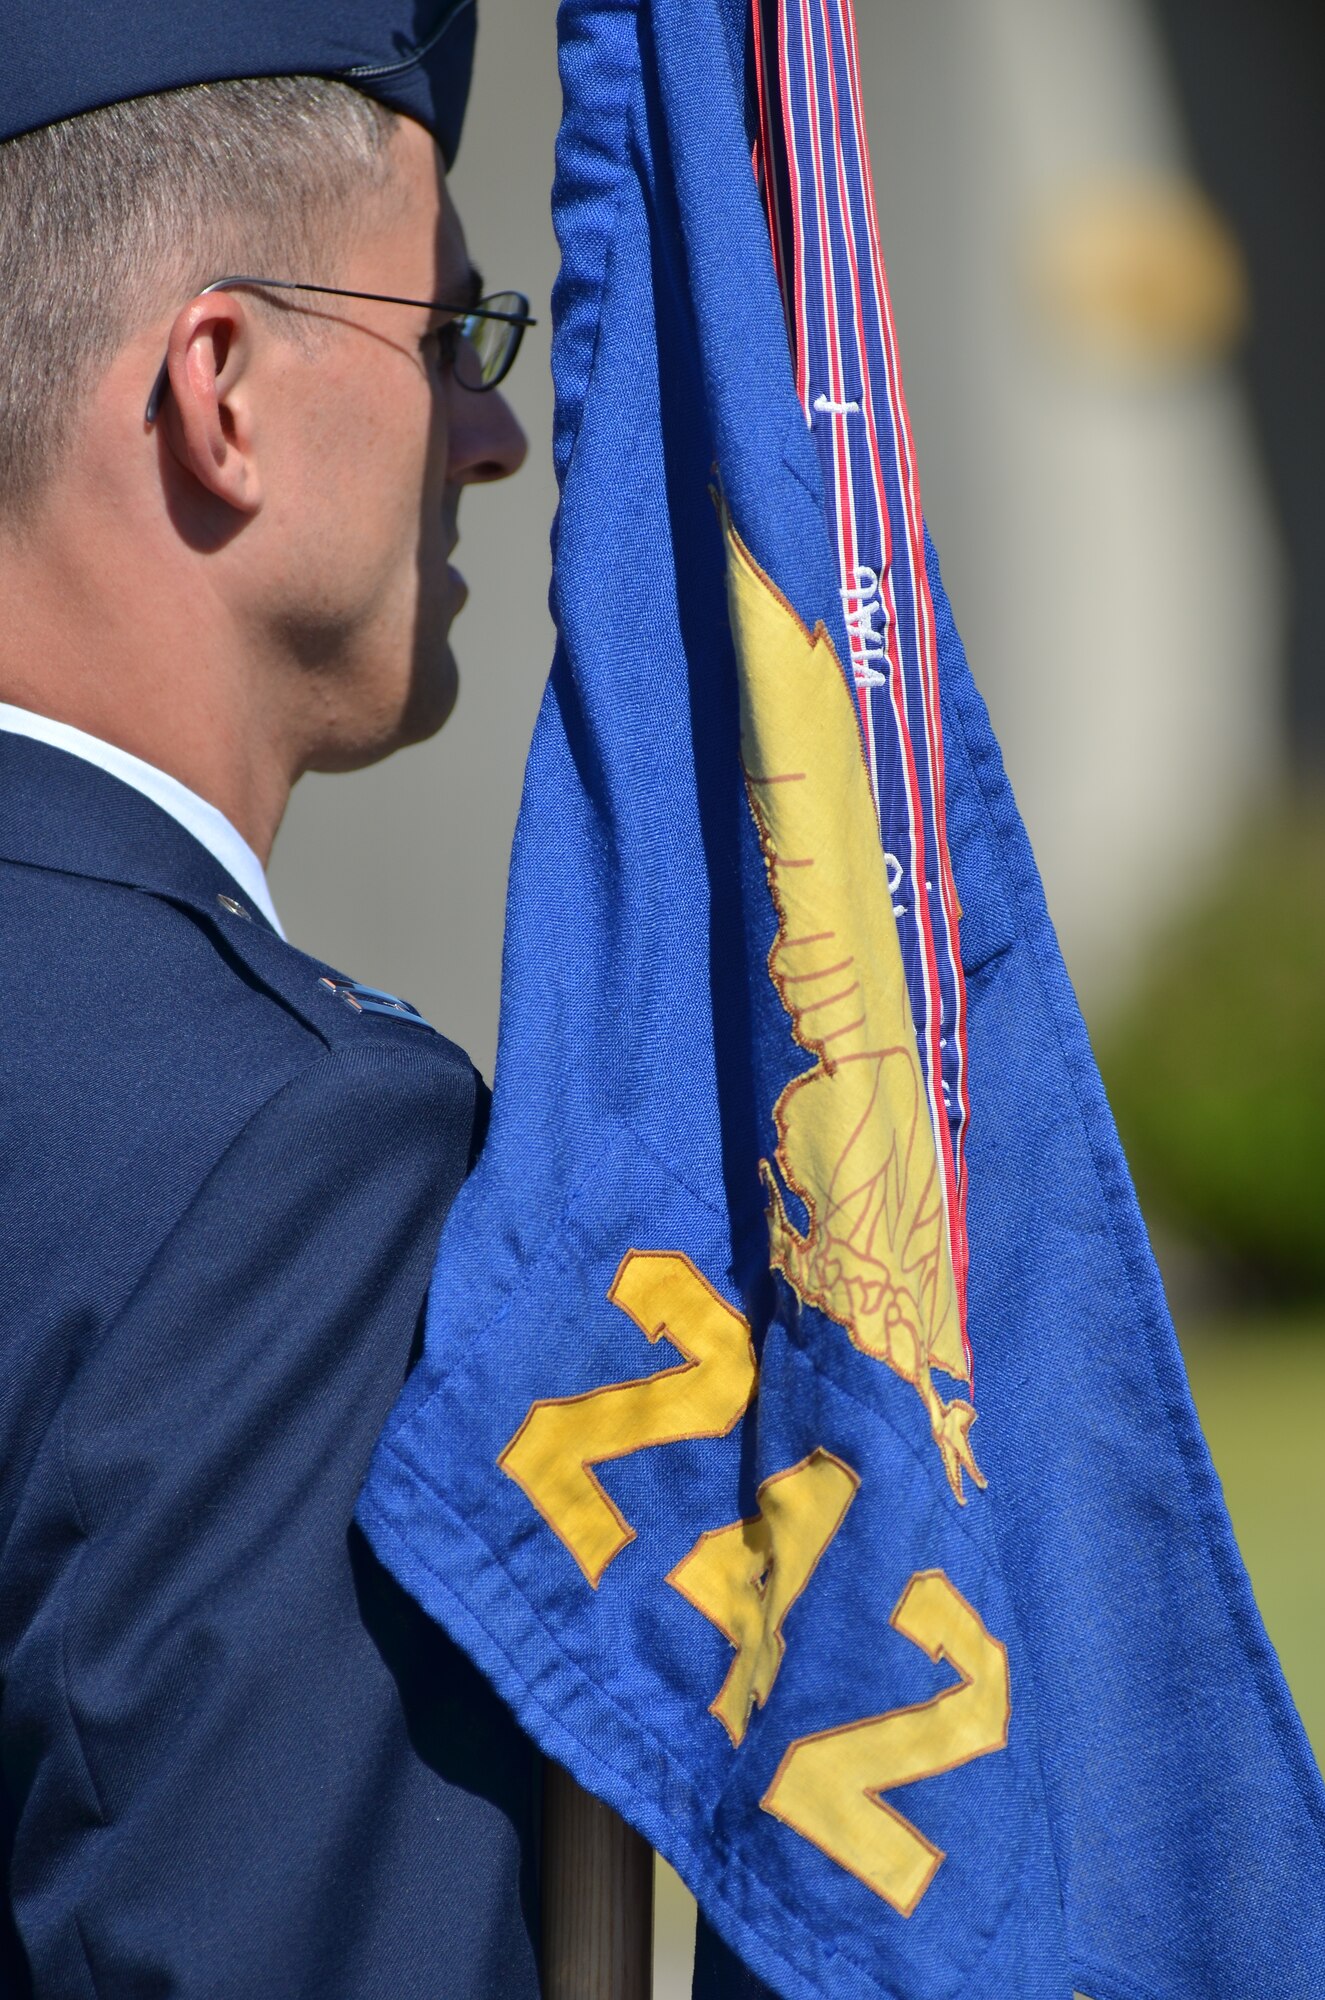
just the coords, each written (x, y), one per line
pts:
(208, 826)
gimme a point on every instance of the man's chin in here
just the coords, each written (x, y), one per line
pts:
(431, 697)
(433, 694)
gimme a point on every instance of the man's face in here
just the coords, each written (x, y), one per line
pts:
(374, 443)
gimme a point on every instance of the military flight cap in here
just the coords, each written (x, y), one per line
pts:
(61, 57)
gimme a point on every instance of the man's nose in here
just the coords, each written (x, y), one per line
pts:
(486, 440)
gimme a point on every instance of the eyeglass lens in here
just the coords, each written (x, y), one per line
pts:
(487, 348)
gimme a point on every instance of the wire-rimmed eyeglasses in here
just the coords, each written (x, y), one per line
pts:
(479, 342)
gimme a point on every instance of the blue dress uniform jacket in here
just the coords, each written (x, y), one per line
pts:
(237, 1761)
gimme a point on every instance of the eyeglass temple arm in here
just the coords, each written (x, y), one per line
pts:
(158, 391)
(379, 298)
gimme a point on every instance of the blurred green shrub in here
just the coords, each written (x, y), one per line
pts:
(1216, 1069)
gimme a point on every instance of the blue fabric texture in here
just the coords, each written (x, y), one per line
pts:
(1154, 1825)
(62, 57)
(236, 1757)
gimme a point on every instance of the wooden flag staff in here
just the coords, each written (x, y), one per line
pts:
(597, 1898)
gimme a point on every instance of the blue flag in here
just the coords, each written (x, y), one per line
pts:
(920, 1703)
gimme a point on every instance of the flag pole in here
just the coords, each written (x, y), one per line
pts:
(597, 1898)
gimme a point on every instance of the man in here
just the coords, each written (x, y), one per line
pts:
(236, 1760)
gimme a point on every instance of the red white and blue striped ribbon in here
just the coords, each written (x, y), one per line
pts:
(813, 166)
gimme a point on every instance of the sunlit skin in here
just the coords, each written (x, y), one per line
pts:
(260, 584)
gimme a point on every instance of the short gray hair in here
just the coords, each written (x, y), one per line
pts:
(105, 215)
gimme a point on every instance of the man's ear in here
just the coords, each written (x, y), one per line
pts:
(208, 417)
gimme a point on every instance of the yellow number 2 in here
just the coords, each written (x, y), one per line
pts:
(827, 1786)
(561, 1439)
(745, 1578)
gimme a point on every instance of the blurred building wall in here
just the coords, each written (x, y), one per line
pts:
(1252, 85)
(1100, 516)
(1097, 504)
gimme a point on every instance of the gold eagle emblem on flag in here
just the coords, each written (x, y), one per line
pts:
(855, 1141)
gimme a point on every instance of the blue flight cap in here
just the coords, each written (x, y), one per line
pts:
(66, 56)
